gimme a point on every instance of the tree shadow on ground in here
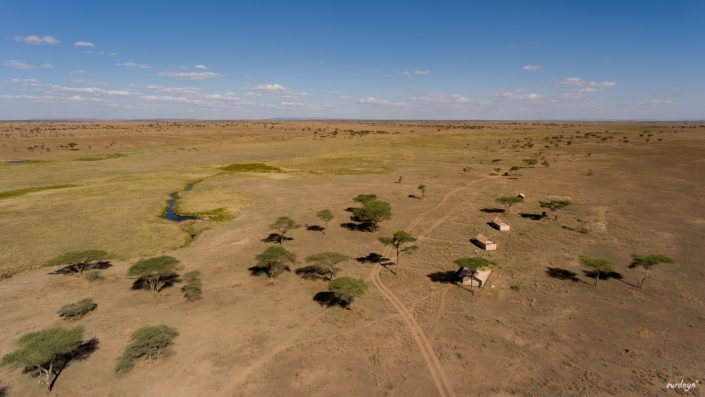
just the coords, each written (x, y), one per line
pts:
(258, 271)
(328, 299)
(476, 243)
(562, 274)
(141, 283)
(312, 273)
(444, 277)
(413, 196)
(493, 225)
(492, 210)
(82, 352)
(372, 257)
(276, 238)
(603, 275)
(315, 228)
(72, 269)
(359, 226)
(533, 217)
(3, 391)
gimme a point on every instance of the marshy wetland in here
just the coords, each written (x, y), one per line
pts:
(206, 193)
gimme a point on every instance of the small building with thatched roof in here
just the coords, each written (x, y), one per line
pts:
(485, 243)
(499, 224)
(472, 278)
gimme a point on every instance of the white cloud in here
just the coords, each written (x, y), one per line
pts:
(88, 90)
(38, 98)
(47, 66)
(291, 104)
(274, 87)
(190, 75)
(84, 44)
(577, 81)
(517, 95)
(443, 99)
(36, 40)
(171, 99)
(175, 90)
(133, 65)
(200, 67)
(78, 72)
(17, 64)
(90, 82)
(668, 101)
(370, 100)
(531, 68)
(416, 73)
(27, 82)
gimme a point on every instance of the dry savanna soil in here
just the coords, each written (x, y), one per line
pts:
(538, 327)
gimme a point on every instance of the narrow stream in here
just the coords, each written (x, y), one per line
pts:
(170, 215)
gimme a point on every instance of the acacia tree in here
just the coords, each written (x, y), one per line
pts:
(326, 216)
(422, 189)
(45, 352)
(80, 260)
(555, 206)
(322, 265)
(372, 211)
(283, 224)
(514, 169)
(647, 262)
(508, 201)
(474, 264)
(150, 342)
(398, 242)
(600, 266)
(274, 260)
(155, 271)
(346, 289)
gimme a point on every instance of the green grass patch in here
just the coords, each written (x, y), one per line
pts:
(22, 192)
(98, 158)
(251, 167)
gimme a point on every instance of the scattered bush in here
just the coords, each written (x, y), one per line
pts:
(77, 310)
(150, 342)
(192, 289)
(93, 275)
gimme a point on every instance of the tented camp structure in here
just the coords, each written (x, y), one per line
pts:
(471, 277)
(485, 243)
(499, 224)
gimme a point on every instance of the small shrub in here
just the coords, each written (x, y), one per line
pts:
(93, 275)
(77, 310)
(150, 342)
(514, 287)
(192, 289)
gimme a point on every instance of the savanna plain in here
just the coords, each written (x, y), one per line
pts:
(567, 310)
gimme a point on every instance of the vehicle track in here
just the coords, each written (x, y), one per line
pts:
(438, 374)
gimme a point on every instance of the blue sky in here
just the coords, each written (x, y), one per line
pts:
(353, 59)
